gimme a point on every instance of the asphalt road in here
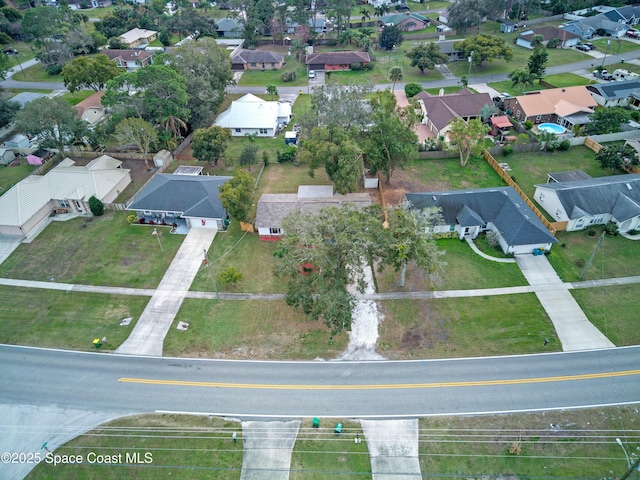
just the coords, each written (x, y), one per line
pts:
(109, 382)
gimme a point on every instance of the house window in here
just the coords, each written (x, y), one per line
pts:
(558, 213)
(538, 118)
(253, 64)
(598, 219)
(63, 203)
(263, 131)
(275, 231)
(518, 114)
(452, 228)
(541, 197)
(238, 130)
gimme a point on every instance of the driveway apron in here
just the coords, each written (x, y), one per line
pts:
(148, 335)
(267, 449)
(574, 329)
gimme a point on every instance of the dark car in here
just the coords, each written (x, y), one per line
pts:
(402, 8)
(10, 51)
(590, 46)
(583, 48)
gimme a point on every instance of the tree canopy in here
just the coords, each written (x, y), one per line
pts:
(537, 63)
(617, 157)
(390, 37)
(426, 56)
(89, 72)
(53, 120)
(208, 144)
(467, 137)
(332, 105)
(485, 48)
(236, 195)
(138, 132)
(390, 141)
(607, 120)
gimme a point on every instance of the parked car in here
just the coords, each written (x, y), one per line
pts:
(583, 48)
(632, 33)
(312, 74)
(402, 8)
(590, 46)
(10, 51)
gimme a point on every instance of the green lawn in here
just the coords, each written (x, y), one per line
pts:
(259, 78)
(102, 250)
(616, 256)
(37, 73)
(173, 40)
(9, 176)
(24, 53)
(476, 174)
(614, 310)
(531, 168)
(614, 46)
(566, 80)
(76, 97)
(465, 269)
(181, 446)
(57, 319)
(321, 454)
(465, 327)
(252, 329)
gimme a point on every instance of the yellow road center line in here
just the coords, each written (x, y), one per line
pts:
(479, 383)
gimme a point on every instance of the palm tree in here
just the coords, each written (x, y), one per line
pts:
(381, 10)
(174, 125)
(487, 111)
(366, 14)
(272, 90)
(395, 75)
(297, 48)
(347, 36)
(523, 77)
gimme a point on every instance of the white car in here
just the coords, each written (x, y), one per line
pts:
(312, 74)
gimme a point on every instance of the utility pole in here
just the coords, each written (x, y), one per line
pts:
(595, 250)
(631, 469)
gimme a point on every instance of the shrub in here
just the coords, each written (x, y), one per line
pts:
(289, 76)
(96, 206)
(54, 69)
(229, 276)
(132, 218)
(553, 43)
(507, 150)
(412, 89)
(528, 124)
(635, 115)
(522, 138)
(368, 66)
(289, 155)
(611, 229)
(591, 233)
(164, 37)
(493, 238)
(356, 66)
(633, 231)
(564, 145)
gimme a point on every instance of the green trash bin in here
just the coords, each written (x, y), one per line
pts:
(316, 422)
(338, 428)
(97, 343)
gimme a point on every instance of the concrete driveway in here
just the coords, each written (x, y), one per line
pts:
(8, 243)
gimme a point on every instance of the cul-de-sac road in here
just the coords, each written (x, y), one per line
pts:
(126, 384)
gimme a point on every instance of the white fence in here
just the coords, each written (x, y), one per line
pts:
(609, 137)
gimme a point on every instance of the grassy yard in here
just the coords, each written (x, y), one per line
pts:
(252, 329)
(182, 446)
(476, 174)
(76, 97)
(616, 256)
(465, 269)
(465, 327)
(614, 310)
(9, 176)
(96, 251)
(614, 46)
(56, 319)
(321, 454)
(37, 73)
(566, 80)
(258, 78)
(531, 168)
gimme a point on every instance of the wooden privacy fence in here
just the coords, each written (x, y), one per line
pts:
(592, 144)
(507, 178)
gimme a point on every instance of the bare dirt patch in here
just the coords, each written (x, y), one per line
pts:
(403, 182)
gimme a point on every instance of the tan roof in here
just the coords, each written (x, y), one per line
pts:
(94, 101)
(548, 101)
(136, 34)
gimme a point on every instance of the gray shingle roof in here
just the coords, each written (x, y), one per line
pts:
(257, 56)
(502, 206)
(615, 90)
(441, 110)
(192, 196)
(619, 193)
(338, 58)
(570, 176)
(272, 208)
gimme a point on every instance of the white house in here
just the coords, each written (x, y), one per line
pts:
(67, 186)
(594, 201)
(499, 209)
(251, 115)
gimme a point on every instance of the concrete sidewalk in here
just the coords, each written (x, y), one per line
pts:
(393, 448)
(148, 335)
(267, 449)
(574, 329)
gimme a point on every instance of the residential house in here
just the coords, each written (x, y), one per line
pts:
(130, 59)
(566, 106)
(6, 156)
(588, 27)
(273, 208)
(229, 28)
(453, 54)
(407, 22)
(629, 14)
(617, 94)
(317, 24)
(66, 187)
(438, 112)
(193, 199)
(250, 115)
(336, 60)
(80, 4)
(257, 60)
(566, 38)
(570, 176)
(90, 109)
(593, 201)
(499, 209)
(138, 37)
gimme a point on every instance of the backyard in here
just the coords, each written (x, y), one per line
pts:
(10, 175)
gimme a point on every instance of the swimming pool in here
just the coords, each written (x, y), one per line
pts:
(551, 128)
